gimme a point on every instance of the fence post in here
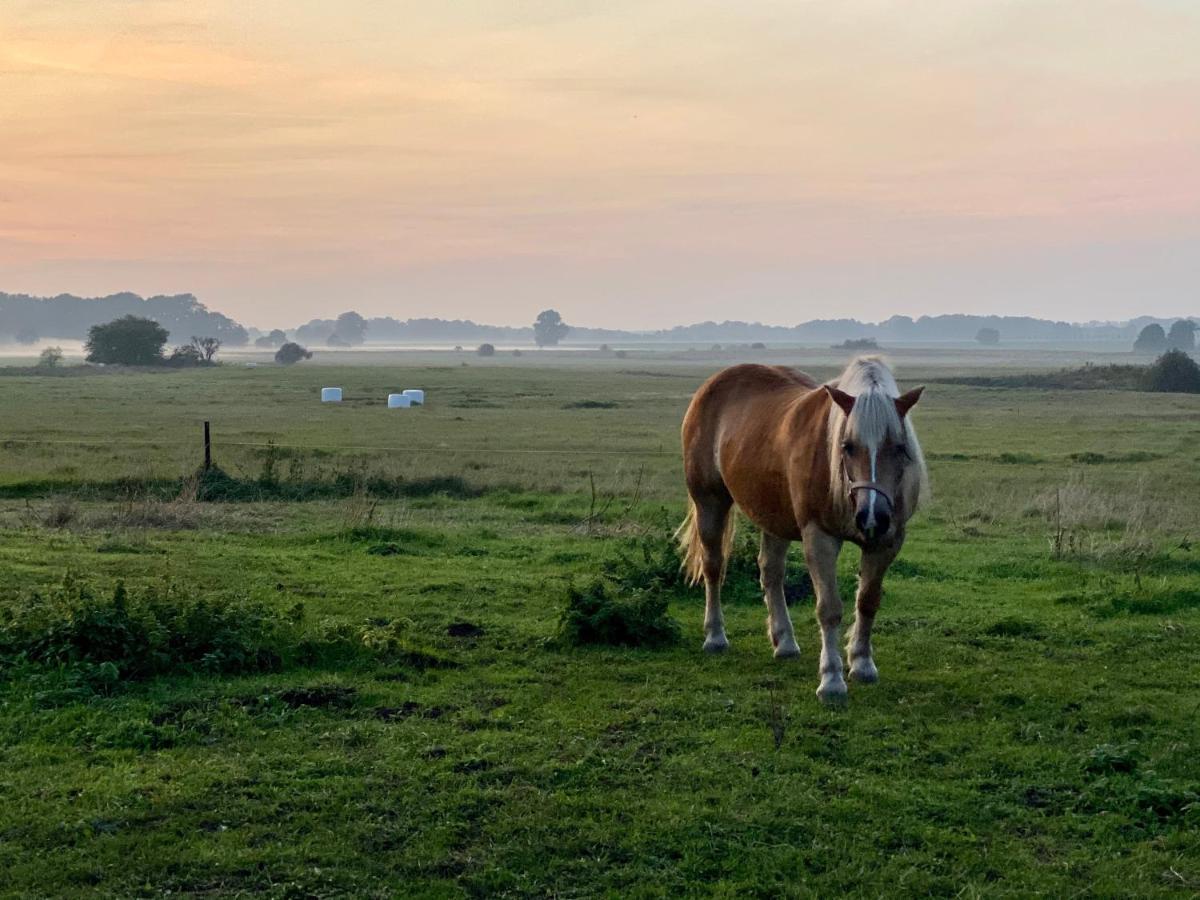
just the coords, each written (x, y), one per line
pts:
(207, 448)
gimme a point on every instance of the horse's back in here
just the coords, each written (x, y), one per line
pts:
(748, 400)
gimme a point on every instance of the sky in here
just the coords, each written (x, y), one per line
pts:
(631, 164)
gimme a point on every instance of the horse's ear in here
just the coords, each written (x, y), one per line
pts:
(841, 398)
(905, 402)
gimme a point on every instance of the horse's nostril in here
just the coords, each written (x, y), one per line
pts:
(882, 521)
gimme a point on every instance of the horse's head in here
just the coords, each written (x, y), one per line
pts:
(875, 459)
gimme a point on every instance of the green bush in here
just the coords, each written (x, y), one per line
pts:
(606, 613)
(1173, 372)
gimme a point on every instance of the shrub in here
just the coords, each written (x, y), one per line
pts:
(604, 613)
(1173, 372)
(486, 350)
(185, 357)
(291, 353)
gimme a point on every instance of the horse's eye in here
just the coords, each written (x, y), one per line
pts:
(847, 446)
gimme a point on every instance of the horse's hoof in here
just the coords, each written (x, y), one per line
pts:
(787, 648)
(716, 644)
(833, 693)
(864, 672)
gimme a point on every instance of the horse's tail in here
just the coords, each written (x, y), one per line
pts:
(691, 548)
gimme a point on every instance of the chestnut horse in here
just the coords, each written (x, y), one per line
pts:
(820, 463)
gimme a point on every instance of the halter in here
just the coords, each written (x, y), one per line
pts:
(871, 486)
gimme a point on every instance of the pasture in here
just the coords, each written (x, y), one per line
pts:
(421, 731)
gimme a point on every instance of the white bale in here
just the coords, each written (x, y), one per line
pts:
(331, 395)
(417, 397)
(399, 401)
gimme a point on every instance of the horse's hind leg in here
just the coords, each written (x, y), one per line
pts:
(713, 522)
(772, 567)
(821, 552)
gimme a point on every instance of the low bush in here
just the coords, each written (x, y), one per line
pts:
(95, 641)
(1173, 372)
(603, 612)
(138, 635)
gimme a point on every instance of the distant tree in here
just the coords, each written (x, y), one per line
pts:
(516, 352)
(336, 340)
(549, 328)
(1151, 339)
(291, 353)
(486, 350)
(1182, 336)
(26, 336)
(1173, 372)
(351, 328)
(857, 344)
(277, 338)
(186, 356)
(207, 346)
(129, 340)
(988, 335)
(50, 358)
(758, 345)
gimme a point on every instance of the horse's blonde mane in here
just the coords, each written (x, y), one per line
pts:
(873, 418)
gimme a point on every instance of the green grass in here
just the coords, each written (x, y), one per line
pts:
(1033, 732)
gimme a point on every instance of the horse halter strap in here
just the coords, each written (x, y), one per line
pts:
(871, 486)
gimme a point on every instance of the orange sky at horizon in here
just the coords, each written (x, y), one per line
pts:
(632, 164)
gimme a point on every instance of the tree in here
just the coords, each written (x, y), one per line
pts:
(291, 353)
(988, 336)
(277, 338)
(1151, 339)
(1182, 336)
(351, 328)
(486, 350)
(206, 346)
(129, 341)
(1173, 372)
(50, 358)
(336, 340)
(549, 328)
(26, 336)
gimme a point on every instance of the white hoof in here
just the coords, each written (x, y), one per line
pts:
(716, 643)
(787, 648)
(864, 671)
(833, 691)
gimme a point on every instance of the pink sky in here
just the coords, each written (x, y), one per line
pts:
(631, 163)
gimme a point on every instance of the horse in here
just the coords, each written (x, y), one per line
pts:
(819, 463)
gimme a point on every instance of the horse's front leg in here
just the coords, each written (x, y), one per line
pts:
(821, 553)
(866, 604)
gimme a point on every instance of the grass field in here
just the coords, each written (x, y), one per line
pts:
(421, 732)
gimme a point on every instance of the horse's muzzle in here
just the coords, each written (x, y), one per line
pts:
(873, 510)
